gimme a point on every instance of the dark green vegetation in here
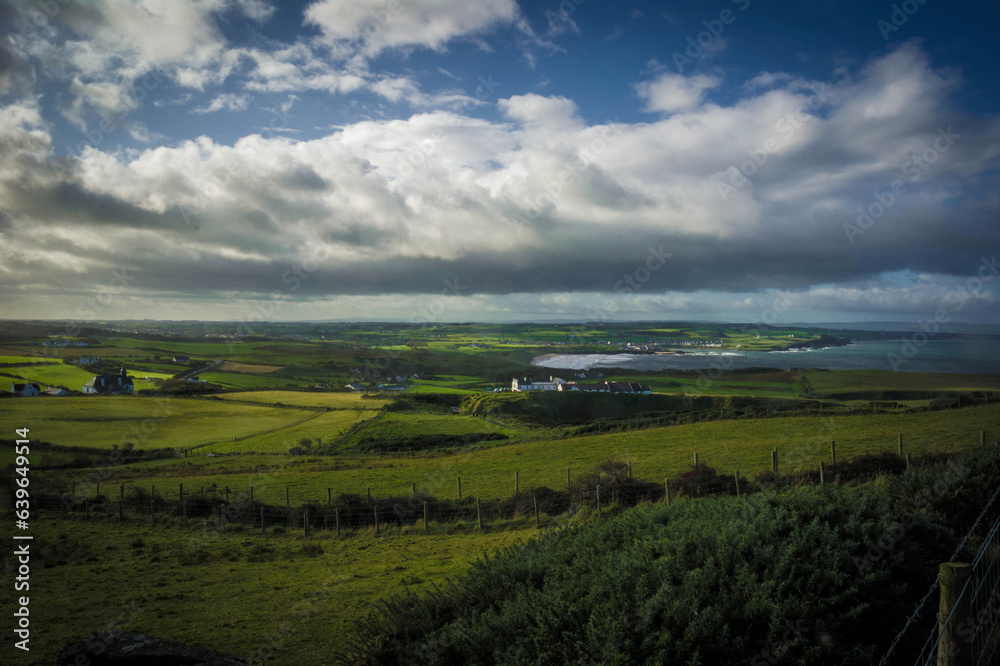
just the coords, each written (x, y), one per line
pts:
(792, 578)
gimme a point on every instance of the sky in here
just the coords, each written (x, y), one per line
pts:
(456, 160)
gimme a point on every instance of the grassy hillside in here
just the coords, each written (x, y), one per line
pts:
(200, 586)
(103, 421)
(655, 453)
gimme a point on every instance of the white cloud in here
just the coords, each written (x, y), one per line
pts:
(671, 92)
(372, 26)
(225, 101)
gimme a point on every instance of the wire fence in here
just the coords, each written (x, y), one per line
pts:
(609, 488)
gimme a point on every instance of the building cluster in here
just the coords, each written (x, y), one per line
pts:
(557, 384)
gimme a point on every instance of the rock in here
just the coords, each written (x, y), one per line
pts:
(122, 648)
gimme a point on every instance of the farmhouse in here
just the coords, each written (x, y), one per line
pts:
(355, 386)
(27, 390)
(110, 384)
(86, 360)
(55, 390)
(182, 359)
(526, 384)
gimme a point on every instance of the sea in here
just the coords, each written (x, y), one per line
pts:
(978, 356)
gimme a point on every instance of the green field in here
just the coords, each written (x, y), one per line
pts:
(208, 588)
(325, 426)
(655, 453)
(331, 400)
(830, 382)
(103, 421)
(240, 380)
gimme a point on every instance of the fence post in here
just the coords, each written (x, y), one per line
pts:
(630, 470)
(907, 462)
(833, 453)
(822, 473)
(953, 615)
(376, 519)
(982, 439)
(369, 494)
(336, 517)
(517, 480)
(479, 514)
(737, 484)
(413, 490)
(287, 501)
(534, 499)
(899, 443)
(598, 500)
(181, 493)
(459, 487)
(426, 516)
(329, 496)
(569, 485)
(666, 486)
(202, 490)
(695, 458)
(98, 488)
(774, 460)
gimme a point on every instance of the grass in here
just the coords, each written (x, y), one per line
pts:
(326, 426)
(28, 359)
(395, 426)
(240, 380)
(656, 453)
(100, 421)
(331, 400)
(201, 587)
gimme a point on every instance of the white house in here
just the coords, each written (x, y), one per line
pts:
(86, 360)
(110, 384)
(28, 390)
(355, 386)
(525, 384)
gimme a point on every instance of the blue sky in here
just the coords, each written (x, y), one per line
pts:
(454, 160)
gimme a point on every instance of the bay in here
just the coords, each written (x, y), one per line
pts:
(977, 356)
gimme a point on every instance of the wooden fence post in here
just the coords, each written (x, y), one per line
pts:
(695, 458)
(534, 499)
(666, 487)
(459, 487)
(982, 439)
(516, 481)
(180, 493)
(202, 490)
(329, 496)
(376, 519)
(426, 516)
(287, 500)
(833, 452)
(98, 488)
(413, 490)
(953, 615)
(774, 460)
(336, 517)
(737, 484)
(568, 484)
(630, 470)
(598, 500)
(369, 494)
(899, 443)
(479, 514)
(907, 462)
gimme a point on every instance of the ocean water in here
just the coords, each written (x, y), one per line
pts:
(952, 355)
